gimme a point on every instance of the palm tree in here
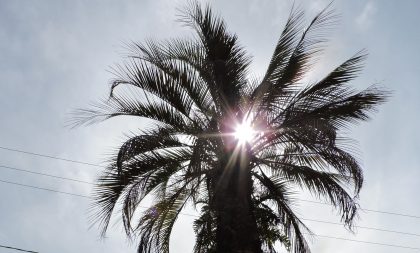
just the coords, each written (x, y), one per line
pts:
(197, 94)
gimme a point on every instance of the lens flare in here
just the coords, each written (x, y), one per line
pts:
(244, 132)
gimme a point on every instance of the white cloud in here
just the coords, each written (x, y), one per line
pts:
(49, 69)
(365, 19)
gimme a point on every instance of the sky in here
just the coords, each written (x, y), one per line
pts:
(55, 56)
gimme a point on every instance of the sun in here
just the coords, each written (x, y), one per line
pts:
(244, 132)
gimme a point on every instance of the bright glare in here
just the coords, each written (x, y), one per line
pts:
(244, 132)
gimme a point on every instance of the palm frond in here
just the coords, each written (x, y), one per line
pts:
(321, 184)
(150, 79)
(205, 230)
(146, 172)
(160, 138)
(293, 227)
(123, 105)
(309, 46)
(269, 228)
(196, 90)
(179, 59)
(282, 52)
(227, 61)
(284, 73)
(156, 225)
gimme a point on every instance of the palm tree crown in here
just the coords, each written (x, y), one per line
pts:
(196, 91)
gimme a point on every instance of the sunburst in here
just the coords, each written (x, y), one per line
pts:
(244, 132)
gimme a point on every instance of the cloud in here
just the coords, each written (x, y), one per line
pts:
(365, 19)
(56, 56)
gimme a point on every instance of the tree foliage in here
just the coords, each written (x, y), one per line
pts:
(195, 91)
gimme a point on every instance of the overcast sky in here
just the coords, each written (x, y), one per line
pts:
(55, 56)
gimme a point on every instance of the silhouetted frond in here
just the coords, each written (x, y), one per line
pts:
(276, 193)
(156, 225)
(181, 60)
(145, 173)
(321, 184)
(225, 59)
(197, 90)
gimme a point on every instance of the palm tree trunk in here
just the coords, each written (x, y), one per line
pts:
(236, 225)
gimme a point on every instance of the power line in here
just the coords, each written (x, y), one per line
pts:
(391, 213)
(367, 210)
(97, 165)
(363, 227)
(45, 174)
(313, 220)
(319, 221)
(326, 236)
(368, 242)
(49, 156)
(192, 215)
(68, 193)
(13, 248)
(45, 189)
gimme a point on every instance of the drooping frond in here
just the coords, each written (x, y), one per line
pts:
(123, 105)
(150, 79)
(270, 228)
(180, 59)
(156, 225)
(276, 193)
(205, 230)
(152, 140)
(134, 180)
(321, 184)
